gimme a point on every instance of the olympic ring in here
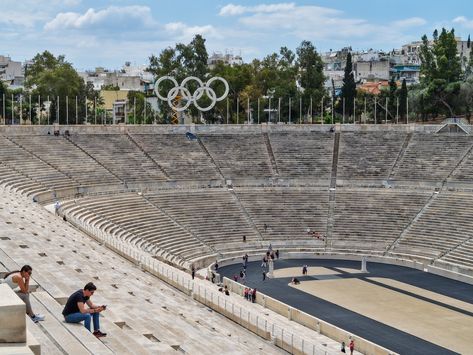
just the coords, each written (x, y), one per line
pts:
(184, 93)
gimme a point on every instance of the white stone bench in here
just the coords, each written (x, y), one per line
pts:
(12, 316)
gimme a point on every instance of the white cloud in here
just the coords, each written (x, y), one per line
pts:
(462, 20)
(234, 10)
(410, 22)
(26, 14)
(113, 15)
(308, 22)
(183, 32)
(319, 24)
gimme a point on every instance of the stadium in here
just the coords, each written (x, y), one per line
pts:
(380, 215)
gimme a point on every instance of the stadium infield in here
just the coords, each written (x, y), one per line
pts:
(402, 309)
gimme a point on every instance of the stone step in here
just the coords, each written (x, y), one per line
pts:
(56, 330)
(32, 342)
(94, 345)
(47, 346)
(15, 349)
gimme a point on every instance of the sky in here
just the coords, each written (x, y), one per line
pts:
(107, 33)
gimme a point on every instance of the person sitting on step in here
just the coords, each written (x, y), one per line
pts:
(19, 281)
(76, 312)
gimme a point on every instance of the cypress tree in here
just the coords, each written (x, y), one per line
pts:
(349, 86)
(403, 99)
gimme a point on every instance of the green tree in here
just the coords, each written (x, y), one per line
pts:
(180, 62)
(403, 100)
(349, 86)
(53, 77)
(441, 70)
(140, 111)
(310, 71)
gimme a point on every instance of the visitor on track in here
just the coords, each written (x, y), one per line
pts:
(244, 239)
(245, 261)
(343, 347)
(19, 281)
(351, 346)
(193, 272)
(264, 275)
(253, 295)
(295, 281)
(246, 293)
(304, 270)
(75, 311)
(277, 253)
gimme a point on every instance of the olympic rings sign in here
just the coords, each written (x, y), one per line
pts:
(183, 91)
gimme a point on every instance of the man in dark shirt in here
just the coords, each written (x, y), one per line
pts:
(75, 311)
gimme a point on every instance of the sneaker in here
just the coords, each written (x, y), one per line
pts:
(99, 334)
(37, 317)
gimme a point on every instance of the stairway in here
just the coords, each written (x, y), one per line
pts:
(332, 192)
(272, 159)
(204, 148)
(336, 145)
(148, 156)
(397, 162)
(415, 219)
(93, 158)
(246, 214)
(43, 161)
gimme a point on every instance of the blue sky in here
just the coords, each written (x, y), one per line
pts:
(108, 33)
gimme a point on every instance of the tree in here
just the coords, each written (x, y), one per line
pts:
(55, 78)
(140, 110)
(349, 86)
(392, 95)
(403, 100)
(310, 72)
(180, 62)
(468, 42)
(441, 70)
(6, 105)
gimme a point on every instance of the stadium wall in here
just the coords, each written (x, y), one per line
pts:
(208, 129)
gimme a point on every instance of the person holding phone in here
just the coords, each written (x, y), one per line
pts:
(76, 312)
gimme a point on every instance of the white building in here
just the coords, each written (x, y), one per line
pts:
(11, 72)
(131, 78)
(227, 58)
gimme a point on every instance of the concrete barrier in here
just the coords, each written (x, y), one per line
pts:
(12, 317)
(362, 345)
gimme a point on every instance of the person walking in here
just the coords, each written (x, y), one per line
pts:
(19, 281)
(343, 347)
(351, 346)
(264, 275)
(193, 272)
(76, 312)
